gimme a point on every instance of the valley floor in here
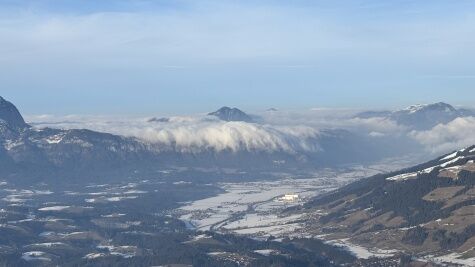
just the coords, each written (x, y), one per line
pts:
(204, 223)
(255, 209)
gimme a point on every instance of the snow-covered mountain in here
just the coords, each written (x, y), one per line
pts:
(27, 151)
(231, 114)
(424, 210)
(421, 117)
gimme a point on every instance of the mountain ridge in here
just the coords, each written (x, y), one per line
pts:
(424, 210)
(10, 115)
(48, 153)
(420, 116)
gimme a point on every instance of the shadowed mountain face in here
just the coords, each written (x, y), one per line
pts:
(10, 116)
(231, 114)
(28, 154)
(421, 117)
(429, 207)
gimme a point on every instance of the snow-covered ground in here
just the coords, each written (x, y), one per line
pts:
(35, 256)
(255, 209)
(362, 252)
(54, 208)
(451, 259)
(252, 207)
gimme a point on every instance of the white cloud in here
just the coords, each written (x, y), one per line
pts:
(376, 124)
(443, 138)
(278, 130)
(192, 134)
(233, 136)
(334, 118)
(281, 130)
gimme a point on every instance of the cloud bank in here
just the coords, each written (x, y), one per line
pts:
(443, 138)
(194, 134)
(234, 136)
(291, 132)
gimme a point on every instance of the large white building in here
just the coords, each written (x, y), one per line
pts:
(289, 198)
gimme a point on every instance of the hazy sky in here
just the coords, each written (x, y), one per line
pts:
(175, 57)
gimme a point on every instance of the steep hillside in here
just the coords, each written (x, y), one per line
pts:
(425, 210)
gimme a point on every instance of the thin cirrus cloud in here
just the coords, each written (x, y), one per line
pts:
(272, 52)
(218, 33)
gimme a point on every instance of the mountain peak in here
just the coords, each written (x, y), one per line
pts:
(440, 106)
(420, 116)
(10, 115)
(231, 114)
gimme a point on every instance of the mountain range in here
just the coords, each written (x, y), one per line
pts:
(28, 152)
(225, 114)
(425, 211)
(44, 153)
(38, 153)
(420, 117)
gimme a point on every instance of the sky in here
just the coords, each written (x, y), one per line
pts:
(178, 57)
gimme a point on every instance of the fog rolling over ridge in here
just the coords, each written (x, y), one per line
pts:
(291, 131)
(202, 141)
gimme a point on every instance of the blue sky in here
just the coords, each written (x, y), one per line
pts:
(177, 57)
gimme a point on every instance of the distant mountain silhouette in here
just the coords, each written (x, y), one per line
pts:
(231, 114)
(10, 115)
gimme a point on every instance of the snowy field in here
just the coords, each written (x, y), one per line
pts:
(451, 260)
(254, 208)
(362, 252)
